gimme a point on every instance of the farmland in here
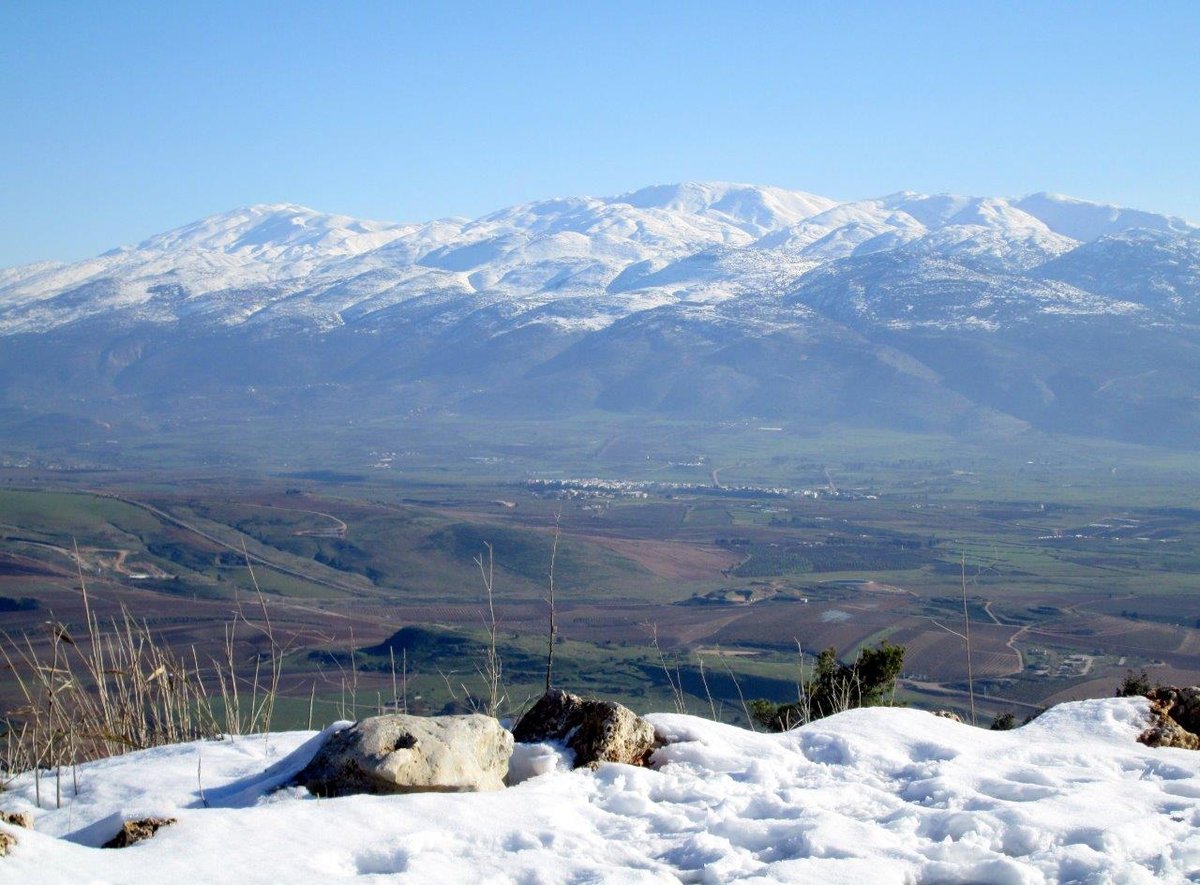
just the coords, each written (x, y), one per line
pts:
(1068, 569)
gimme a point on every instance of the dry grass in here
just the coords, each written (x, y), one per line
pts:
(674, 680)
(492, 669)
(115, 687)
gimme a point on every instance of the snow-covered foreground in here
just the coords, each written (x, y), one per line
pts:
(883, 795)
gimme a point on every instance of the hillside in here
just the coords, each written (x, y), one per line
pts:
(699, 302)
(880, 795)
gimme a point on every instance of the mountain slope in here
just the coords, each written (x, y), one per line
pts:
(698, 300)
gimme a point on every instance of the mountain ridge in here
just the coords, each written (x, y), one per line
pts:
(704, 301)
(284, 243)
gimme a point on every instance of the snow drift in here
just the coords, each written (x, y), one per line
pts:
(879, 795)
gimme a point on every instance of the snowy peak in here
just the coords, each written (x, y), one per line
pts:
(1084, 221)
(1026, 232)
(987, 230)
(932, 211)
(754, 208)
(273, 228)
(260, 245)
(576, 262)
(693, 213)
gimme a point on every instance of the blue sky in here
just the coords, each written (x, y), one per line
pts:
(122, 119)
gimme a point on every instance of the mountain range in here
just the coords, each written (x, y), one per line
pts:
(703, 301)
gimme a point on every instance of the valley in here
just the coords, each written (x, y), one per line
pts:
(1077, 566)
(762, 422)
(625, 444)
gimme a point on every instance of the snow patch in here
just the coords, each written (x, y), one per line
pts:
(882, 795)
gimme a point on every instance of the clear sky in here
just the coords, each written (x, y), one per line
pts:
(121, 119)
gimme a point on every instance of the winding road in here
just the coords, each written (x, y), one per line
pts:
(254, 558)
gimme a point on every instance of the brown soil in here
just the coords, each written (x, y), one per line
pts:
(672, 560)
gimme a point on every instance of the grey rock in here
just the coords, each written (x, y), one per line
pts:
(597, 731)
(411, 754)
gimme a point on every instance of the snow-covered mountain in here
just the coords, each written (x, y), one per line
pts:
(657, 246)
(644, 300)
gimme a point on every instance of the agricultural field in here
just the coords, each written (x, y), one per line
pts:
(682, 584)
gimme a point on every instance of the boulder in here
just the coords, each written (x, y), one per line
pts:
(1174, 718)
(596, 731)
(7, 841)
(411, 754)
(135, 831)
(948, 714)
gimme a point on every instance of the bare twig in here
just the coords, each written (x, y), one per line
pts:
(738, 687)
(492, 665)
(552, 633)
(967, 638)
(712, 707)
(676, 684)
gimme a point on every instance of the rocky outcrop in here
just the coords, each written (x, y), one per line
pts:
(1174, 718)
(140, 830)
(21, 819)
(411, 754)
(948, 714)
(596, 731)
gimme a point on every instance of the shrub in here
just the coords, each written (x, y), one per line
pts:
(868, 682)
(1005, 721)
(1134, 685)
